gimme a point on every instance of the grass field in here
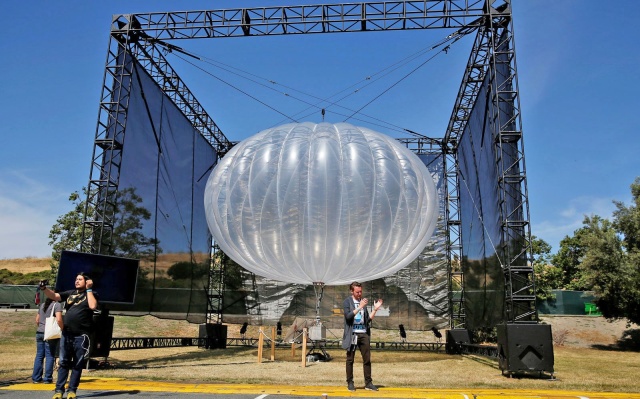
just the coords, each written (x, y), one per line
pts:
(576, 367)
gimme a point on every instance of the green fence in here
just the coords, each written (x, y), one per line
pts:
(18, 296)
(570, 303)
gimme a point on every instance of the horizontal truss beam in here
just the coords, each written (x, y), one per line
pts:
(324, 18)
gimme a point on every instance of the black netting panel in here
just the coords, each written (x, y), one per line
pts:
(165, 165)
(481, 218)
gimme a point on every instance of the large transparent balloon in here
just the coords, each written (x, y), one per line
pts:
(321, 203)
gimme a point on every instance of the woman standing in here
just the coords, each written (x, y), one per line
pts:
(46, 350)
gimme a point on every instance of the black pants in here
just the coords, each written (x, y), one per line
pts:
(364, 344)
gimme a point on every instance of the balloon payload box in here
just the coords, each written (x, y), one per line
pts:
(318, 333)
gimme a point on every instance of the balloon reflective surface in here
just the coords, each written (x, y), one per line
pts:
(330, 203)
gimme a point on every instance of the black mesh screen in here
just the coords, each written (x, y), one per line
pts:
(480, 216)
(164, 168)
(491, 234)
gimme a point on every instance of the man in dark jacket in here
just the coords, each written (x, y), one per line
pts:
(357, 333)
(78, 320)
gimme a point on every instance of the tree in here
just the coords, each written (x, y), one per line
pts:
(626, 220)
(547, 276)
(66, 233)
(188, 270)
(540, 250)
(605, 266)
(16, 278)
(568, 260)
(128, 239)
(604, 257)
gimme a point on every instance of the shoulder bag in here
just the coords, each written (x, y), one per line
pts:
(51, 327)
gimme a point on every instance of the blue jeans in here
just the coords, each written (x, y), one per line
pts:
(74, 351)
(45, 352)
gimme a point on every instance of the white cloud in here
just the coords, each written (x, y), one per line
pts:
(570, 218)
(28, 209)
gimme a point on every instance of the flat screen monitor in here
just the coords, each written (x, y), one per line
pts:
(114, 278)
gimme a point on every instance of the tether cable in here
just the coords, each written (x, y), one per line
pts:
(311, 105)
(444, 50)
(368, 80)
(237, 89)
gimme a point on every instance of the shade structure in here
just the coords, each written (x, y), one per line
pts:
(321, 203)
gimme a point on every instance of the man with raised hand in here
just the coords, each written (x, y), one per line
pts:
(357, 334)
(75, 343)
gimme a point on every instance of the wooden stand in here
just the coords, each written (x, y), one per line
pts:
(273, 345)
(260, 344)
(304, 347)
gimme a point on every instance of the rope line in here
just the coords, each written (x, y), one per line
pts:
(444, 50)
(236, 88)
(317, 106)
(454, 37)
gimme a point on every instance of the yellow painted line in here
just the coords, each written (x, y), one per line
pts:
(124, 385)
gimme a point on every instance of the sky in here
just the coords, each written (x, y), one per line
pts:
(577, 72)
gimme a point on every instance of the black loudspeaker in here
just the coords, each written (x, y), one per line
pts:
(212, 336)
(455, 337)
(101, 336)
(525, 348)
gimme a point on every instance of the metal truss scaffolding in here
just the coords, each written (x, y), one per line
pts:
(493, 54)
(145, 36)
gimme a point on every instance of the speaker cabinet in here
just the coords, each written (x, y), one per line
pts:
(212, 336)
(525, 348)
(455, 337)
(101, 336)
